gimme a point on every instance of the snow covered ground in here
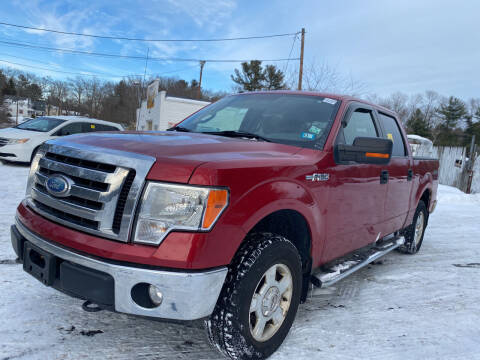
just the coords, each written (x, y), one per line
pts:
(425, 306)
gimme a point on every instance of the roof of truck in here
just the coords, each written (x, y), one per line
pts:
(323, 94)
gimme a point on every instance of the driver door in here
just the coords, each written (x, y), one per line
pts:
(357, 196)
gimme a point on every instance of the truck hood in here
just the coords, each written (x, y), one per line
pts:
(178, 154)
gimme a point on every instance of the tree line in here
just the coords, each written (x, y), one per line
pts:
(115, 101)
(447, 121)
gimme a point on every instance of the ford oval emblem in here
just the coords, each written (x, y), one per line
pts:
(58, 185)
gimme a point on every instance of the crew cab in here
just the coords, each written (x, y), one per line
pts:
(20, 143)
(230, 216)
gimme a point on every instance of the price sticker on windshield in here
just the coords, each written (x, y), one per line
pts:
(330, 101)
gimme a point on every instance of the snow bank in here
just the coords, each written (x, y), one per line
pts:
(452, 195)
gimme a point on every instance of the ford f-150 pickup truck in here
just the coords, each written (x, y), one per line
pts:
(231, 216)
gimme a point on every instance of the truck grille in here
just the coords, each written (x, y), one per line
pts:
(3, 141)
(103, 193)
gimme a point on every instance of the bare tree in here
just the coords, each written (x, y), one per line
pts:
(323, 77)
(77, 88)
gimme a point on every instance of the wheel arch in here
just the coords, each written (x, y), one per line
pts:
(294, 226)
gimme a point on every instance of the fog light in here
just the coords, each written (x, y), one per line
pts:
(155, 295)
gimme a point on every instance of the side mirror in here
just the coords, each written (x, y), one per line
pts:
(365, 150)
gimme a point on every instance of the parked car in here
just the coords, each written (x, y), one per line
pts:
(230, 216)
(20, 143)
(419, 143)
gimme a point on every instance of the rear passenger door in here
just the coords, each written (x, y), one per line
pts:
(357, 196)
(400, 175)
(70, 129)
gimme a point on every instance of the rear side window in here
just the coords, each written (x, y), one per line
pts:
(392, 132)
(360, 125)
(101, 127)
(91, 127)
(70, 129)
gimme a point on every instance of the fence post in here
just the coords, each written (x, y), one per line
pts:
(470, 164)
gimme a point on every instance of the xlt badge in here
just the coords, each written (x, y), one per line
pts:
(318, 177)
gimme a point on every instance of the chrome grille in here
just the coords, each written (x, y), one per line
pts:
(3, 141)
(106, 185)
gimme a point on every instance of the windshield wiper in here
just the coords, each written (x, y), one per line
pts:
(29, 129)
(240, 134)
(179, 128)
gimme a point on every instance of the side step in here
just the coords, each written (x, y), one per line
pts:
(329, 275)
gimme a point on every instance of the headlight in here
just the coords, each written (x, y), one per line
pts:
(17, 141)
(167, 207)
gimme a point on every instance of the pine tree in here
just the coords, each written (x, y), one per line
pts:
(9, 89)
(418, 125)
(252, 76)
(274, 78)
(452, 112)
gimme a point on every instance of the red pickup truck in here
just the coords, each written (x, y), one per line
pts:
(230, 216)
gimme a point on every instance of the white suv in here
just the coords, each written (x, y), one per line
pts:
(21, 142)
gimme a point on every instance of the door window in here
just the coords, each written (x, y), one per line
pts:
(361, 124)
(392, 132)
(70, 129)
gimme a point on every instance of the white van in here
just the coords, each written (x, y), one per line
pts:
(21, 142)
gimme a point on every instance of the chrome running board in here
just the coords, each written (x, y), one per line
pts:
(329, 275)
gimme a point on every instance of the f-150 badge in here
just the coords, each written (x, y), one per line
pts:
(317, 177)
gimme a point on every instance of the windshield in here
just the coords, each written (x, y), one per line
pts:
(41, 124)
(299, 120)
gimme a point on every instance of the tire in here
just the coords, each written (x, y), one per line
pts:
(415, 232)
(234, 328)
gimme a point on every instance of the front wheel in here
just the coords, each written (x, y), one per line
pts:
(259, 300)
(415, 232)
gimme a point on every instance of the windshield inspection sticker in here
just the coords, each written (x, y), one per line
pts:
(314, 129)
(330, 101)
(390, 136)
(306, 135)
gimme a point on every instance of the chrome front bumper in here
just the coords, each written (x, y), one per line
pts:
(186, 295)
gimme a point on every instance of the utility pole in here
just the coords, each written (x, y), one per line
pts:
(300, 72)
(470, 163)
(146, 64)
(16, 119)
(202, 64)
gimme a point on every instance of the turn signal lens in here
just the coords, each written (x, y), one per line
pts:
(217, 202)
(377, 155)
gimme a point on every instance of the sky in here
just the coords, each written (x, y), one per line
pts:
(387, 46)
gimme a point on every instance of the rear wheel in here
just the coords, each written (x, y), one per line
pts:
(415, 232)
(259, 300)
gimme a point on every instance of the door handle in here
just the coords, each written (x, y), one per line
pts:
(409, 175)
(384, 177)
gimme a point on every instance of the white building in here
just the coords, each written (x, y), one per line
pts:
(23, 108)
(164, 112)
(14, 106)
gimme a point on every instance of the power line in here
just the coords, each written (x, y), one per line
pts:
(88, 73)
(146, 40)
(290, 54)
(50, 64)
(66, 72)
(72, 51)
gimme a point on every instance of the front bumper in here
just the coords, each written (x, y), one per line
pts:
(17, 152)
(186, 295)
